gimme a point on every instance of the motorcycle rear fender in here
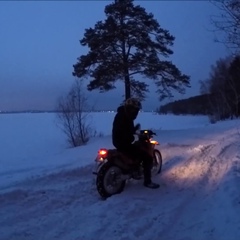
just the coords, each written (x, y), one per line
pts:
(115, 161)
(98, 165)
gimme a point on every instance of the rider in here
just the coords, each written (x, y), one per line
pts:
(123, 136)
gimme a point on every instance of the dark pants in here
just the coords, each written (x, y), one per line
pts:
(136, 153)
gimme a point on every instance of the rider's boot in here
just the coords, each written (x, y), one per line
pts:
(151, 185)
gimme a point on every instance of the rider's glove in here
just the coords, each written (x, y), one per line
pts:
(137, 127)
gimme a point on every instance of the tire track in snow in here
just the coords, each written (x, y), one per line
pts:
(36, 204)
(65, 204)
(213, 165)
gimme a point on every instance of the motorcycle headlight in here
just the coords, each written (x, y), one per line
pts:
(154, 142)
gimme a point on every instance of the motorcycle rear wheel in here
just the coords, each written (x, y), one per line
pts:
(109, 180)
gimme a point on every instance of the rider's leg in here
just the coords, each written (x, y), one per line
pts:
(147, 167)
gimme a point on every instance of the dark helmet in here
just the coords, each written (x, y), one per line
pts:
(132, 107)
(133, 103)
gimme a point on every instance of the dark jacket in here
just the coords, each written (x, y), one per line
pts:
(123, 130)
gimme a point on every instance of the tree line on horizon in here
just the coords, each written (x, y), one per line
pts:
(220, 93)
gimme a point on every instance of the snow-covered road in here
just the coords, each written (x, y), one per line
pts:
(199, 198)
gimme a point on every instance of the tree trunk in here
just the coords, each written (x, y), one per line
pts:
(127, 87)
(125, 60)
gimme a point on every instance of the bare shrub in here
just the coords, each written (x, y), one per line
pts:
(73, 116)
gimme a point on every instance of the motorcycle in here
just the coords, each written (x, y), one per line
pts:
(114, 168)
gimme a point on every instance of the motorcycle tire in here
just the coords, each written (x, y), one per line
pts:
(109, 172)
(157, 162)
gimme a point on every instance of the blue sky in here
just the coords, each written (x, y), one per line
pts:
(40, 43)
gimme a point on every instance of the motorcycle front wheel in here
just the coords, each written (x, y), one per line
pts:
(157, 162)
(109, 180)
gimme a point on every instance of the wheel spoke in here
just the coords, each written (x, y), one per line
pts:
(111, 180)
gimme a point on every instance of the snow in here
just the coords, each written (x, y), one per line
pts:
(47, 190)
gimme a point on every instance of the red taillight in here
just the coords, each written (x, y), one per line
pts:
(102, 152)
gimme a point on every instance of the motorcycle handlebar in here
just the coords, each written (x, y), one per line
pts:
(142, 132)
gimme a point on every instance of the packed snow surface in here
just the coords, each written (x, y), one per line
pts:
(47, 190)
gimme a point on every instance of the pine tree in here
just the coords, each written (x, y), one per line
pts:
(130, 43)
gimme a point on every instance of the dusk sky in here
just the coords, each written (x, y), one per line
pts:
(40, 43)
